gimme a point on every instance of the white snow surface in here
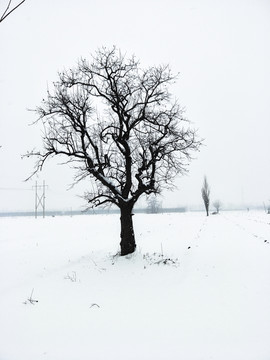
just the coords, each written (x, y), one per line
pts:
(197, 288)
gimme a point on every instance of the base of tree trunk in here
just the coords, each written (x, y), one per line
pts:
(127, 244)
(127, 249)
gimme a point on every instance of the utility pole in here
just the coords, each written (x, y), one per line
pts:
(40, 198)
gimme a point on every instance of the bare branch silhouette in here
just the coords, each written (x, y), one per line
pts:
(10, 10)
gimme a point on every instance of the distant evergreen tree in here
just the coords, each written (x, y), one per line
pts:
(206, 195)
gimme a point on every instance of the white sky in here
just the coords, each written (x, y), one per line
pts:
(221, 49)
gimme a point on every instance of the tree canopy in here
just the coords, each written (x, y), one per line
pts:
(206, 195)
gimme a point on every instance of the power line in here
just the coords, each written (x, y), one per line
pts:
(14, 189)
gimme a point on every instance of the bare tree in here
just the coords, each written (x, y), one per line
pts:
(115, 123)
(268, 208)
(206, 195)
(217, 206)
(9, 9)
(153, 205)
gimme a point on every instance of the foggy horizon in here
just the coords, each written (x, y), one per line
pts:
(221, 52)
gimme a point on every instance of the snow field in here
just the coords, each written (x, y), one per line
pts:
(211, 300)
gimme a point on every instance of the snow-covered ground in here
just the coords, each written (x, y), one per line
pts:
(196, 289)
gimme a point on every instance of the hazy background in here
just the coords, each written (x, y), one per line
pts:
(221, 49)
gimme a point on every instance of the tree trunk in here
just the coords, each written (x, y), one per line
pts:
(127, 243)
(206, 208)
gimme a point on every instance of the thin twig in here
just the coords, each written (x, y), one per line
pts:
(31, 300)
(7, 13)
(92, 305)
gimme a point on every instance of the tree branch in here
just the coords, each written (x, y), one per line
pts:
(7, 12)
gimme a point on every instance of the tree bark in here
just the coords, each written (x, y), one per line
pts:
(127, 243)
